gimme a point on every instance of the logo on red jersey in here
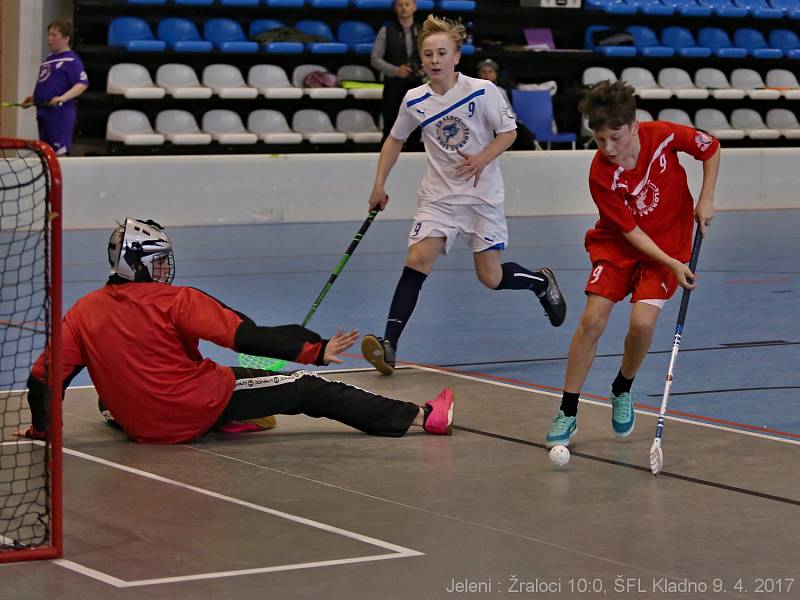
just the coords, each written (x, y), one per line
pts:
(703, 141)
(646, 201)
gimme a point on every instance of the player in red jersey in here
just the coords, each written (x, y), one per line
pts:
(640, 243)
(139, 337)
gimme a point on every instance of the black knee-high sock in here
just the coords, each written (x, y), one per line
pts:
(403, 303)
(621, 384)
(516, 277)
(569, 404)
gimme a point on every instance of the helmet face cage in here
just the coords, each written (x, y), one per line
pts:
(141, 251)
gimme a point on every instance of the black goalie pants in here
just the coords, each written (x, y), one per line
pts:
(263, 393)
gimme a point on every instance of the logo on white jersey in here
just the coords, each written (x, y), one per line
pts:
(452, 133)
(508, 113)
(646, 201)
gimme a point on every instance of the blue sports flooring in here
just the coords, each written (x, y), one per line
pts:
(741, 344)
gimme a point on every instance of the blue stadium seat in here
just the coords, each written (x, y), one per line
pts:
(239, 2)
(358, 35)
(331, 46)
(134, 34)
(619, 7)
(261, 25)
(720, 43)
(756, 45)
(227, 35)
(181, 35)
(607, 50)
(690, 8)
(535, 110)
(328, 3)
(787, 41)
(790, 8)
(681, 39)
(194, 2)
(656, 8)
(467, 49)
(284, 3)
(372, 4)
(725, 8)
(151, 2)
(647, 43)
(760, 9)
(457, 5)
(424, 4)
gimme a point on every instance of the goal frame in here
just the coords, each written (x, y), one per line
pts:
(53, 220)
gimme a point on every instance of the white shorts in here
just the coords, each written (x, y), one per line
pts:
(482, 226)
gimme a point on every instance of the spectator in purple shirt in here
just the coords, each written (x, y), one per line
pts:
(62, 78)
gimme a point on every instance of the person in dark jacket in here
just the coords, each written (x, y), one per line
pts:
(396, 56)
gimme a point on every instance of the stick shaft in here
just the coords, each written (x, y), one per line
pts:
(342, 262)
(676, 343)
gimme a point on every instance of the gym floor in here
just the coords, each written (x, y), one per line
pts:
(312, 509)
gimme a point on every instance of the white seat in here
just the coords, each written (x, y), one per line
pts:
(316, 127)
(750, 81)
(271, 127)
(753, 125)
(180, 128)
(680, 84)
(594, 75)
(226, 81)
(271, 81)
(226, 127)
(643, 115)
(716, 123)
(323, 93)
(675, 115)
(359, 126)
(360, 73)
(717, 84)
(180, 81)
(784, 81)
(132, 81)
(132, 128)
(644, 84)
(784, 121)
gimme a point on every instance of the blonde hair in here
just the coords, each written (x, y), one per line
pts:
(434, 25)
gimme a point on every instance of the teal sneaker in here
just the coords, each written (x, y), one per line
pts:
(561, 430)
(622, 415)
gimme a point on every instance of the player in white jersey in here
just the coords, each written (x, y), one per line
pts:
(466, 125)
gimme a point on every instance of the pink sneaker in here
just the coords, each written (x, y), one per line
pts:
(249, 425)
(440, 420)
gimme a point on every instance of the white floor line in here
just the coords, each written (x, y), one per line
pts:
(426, 511)
(121, 583)
(534, 390)
(396, 551)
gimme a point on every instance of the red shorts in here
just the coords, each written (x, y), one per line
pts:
(643, 280)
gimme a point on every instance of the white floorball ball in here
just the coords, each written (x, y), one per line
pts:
(559, 455)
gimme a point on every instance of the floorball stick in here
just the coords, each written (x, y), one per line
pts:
(656, 454)
(276, 364)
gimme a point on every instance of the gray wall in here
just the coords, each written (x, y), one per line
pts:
(201, 190)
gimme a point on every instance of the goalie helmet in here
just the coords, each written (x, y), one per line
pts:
(141, 251)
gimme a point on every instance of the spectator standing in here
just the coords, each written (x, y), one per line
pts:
(396, 56)
(61, 79)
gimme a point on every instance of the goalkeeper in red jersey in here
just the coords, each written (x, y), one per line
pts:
(641, 242)
(138, 336)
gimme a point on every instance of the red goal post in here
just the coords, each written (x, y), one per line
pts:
(31, 510)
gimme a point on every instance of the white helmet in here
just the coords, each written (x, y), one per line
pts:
(141, 251)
